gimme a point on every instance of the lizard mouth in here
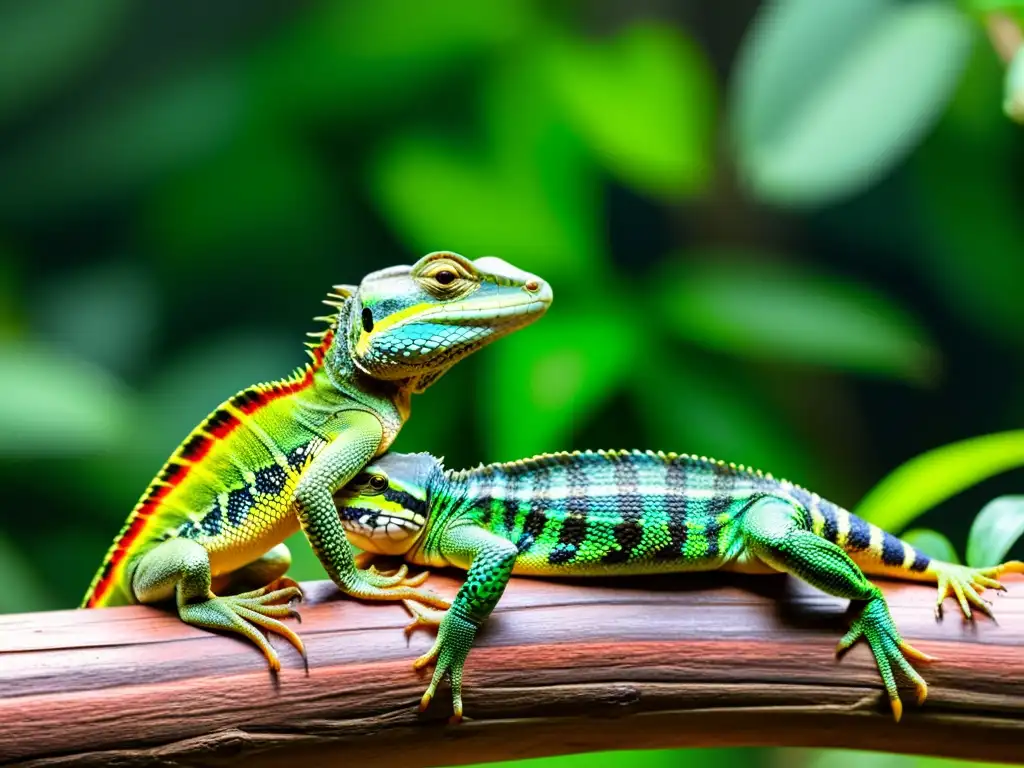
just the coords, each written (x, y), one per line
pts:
(491, 309)
(490, 316)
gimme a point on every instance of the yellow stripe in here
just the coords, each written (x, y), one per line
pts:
(817, 520)
(875, 546)
(363, 345)
(842, 526)
(909, 555)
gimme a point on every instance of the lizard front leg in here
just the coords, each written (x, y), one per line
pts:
(360, 437)
(773, 532)
(181, 568)
(489, 559)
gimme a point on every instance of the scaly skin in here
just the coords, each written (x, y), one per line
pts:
(608, 513)
(267, 461)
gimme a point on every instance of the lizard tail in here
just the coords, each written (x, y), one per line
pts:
(876, 551)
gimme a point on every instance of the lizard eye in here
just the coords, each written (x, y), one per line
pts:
(445, 277)
(378, 483)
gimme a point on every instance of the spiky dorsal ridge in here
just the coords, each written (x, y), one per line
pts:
(561, 458)
(319, 341)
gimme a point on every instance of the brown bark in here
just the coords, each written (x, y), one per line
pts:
(700, 660)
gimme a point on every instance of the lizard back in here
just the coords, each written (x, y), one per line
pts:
(229, 484)
(604, 512)
(610, 511)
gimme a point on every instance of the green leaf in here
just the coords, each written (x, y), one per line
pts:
(997, 527)
(57, 405)
(830, 96)
(992, 6)
(780, 312)
(934, 476)
(114, 306)
(48, 43)
(1013, 103)
(245, 202)
(541, 383)
(721, 412)
(528, 195)
(932, 543)
(644, 102)
(122, 144)
(342, 59)
(973, 145)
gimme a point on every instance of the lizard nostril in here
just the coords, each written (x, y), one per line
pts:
(532, 286)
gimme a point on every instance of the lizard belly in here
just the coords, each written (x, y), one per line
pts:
(229, 553)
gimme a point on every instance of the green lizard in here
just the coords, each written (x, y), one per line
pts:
(619, 512)
(267, 460)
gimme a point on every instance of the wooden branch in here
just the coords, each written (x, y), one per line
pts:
(699, 660)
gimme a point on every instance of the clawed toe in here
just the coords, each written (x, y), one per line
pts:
(246, 614)
(422, 617)
(966, 585)
(891, 651)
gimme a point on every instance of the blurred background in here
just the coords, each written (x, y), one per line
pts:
(787, 234)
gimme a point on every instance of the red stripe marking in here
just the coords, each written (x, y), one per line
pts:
(196, 448)
(219, 424)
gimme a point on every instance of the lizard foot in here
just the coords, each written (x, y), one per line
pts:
(966, 584)
(455, 637)
(245, 612)
(362, 589)
(875, 625)
(421, 617)
(283, 583)
(396, 578)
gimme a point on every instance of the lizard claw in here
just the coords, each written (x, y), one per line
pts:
(245, 612)
(876, 626)
(455, 637)
(396, 578)
(422, 617)
(966, 584)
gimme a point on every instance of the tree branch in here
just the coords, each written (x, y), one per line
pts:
(700, 660)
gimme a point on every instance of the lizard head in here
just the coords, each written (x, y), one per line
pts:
(385, 508)
(415, 322)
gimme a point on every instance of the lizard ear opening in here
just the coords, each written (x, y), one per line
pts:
(367, 319)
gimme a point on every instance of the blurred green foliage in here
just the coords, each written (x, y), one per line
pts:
(784, 233)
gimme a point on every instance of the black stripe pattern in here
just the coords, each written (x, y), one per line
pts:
(892, 550)
(675, 507)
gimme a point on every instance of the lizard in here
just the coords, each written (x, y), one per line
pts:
(265, 462)
(610, 513)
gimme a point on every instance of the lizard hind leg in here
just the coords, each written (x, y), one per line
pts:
(776, 532)
(966, 584)
(181, 568)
